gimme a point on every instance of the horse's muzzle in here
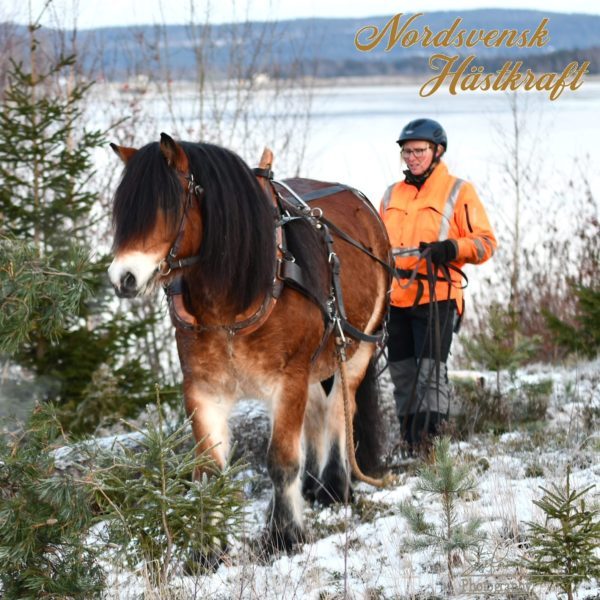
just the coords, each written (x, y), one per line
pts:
(128, 287)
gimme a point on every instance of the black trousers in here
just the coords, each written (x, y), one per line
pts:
(418, 336)
(410, 334)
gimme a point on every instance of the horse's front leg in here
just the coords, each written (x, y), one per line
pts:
(284, 463)
(208, 412)
(208, 399)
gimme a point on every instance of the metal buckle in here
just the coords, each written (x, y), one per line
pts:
(191, 182)
(286, 254)
(192, 187)
(340, 340)
(163, 268)
(338, 325)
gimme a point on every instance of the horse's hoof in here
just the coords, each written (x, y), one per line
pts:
(275, 542)
(310, 488)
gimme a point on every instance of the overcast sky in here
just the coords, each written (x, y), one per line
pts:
(99, 13)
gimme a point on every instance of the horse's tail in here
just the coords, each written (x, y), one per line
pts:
(369, 429)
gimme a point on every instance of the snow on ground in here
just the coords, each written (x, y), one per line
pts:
(360, 551)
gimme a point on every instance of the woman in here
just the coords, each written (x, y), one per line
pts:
(433, 218)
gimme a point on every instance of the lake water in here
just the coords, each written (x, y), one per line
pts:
(352, 131)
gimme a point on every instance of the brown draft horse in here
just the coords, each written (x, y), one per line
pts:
(195, 214)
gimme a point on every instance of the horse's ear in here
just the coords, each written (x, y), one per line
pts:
(123, 152)
(173, 152)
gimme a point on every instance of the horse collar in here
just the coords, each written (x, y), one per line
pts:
(184, 320)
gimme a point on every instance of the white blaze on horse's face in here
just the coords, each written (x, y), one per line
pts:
(131, 272)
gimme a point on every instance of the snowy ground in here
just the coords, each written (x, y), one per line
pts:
(359, 551)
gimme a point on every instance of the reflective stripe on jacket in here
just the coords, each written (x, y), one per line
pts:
(444, 208)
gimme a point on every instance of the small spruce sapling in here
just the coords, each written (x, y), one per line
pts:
(563, 549)
(447, 482)
(500, 346)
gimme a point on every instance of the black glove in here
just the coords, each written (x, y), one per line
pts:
(441, 252)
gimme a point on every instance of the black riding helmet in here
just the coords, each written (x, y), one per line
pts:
(424, 129)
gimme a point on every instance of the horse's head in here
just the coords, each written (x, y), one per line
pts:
(154, 216)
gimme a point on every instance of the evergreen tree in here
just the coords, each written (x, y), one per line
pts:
(37, 299)
(563, 549)
(45, 158)
(46, 211)
(500, 346)
(44, 519)
(584, 334)
(155, 511)
(447, 482)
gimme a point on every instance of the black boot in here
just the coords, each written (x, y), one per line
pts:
(420, 429)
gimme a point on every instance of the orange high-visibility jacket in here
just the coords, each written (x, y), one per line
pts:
(445, 207)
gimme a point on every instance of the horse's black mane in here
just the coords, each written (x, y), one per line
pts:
(237, 254)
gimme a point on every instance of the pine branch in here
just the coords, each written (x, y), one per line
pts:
(44, 519)
(36, 297)
(155, 510)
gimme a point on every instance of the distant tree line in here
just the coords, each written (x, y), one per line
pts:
(380, 65)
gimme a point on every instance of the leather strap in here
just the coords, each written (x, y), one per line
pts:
(344, 236)
(266, 173)
(291, 273)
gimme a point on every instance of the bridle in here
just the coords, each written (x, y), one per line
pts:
(171, 262)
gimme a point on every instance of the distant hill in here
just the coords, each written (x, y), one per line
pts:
(317, 46)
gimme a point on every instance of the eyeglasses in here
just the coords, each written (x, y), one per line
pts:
(418, 152)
